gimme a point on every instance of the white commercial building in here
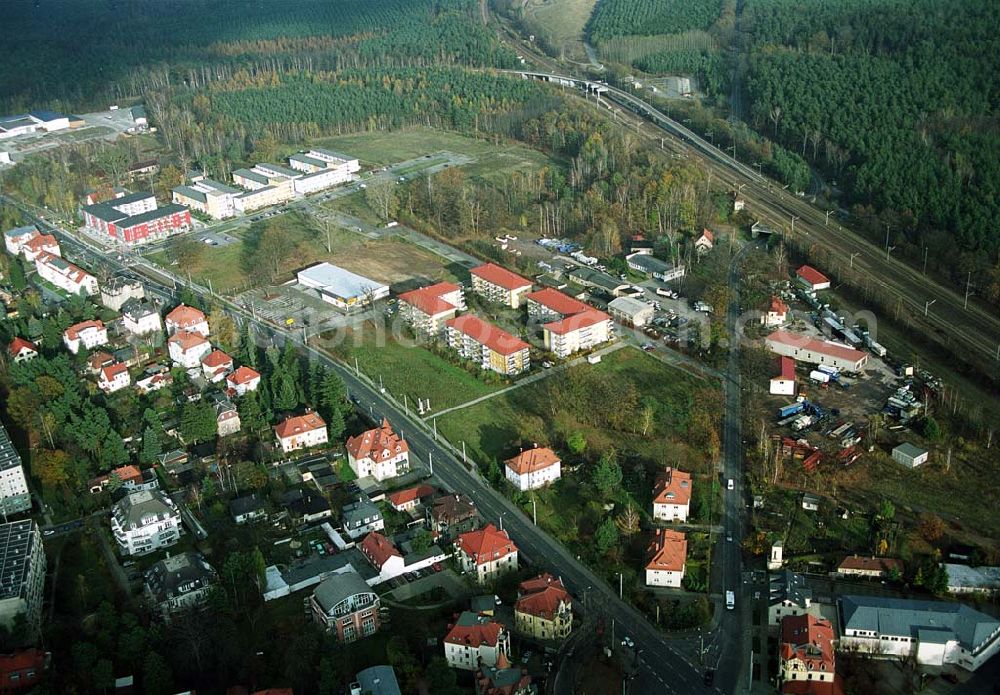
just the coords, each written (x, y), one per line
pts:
(632, 311)
(144, 521)
(342, 288)
(14, 495)
(803, 348)
(22, 567)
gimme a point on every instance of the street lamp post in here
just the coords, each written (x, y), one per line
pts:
(794, 217)
(828, 218)
(888, 250)
(927, 305)
(856, 253)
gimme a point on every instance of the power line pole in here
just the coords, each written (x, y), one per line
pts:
(968, 286)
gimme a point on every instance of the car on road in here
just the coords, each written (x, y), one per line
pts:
(648, 347)
(49, 532)
(627, 642)
(730, 485)
(729, 537)
(546, 365)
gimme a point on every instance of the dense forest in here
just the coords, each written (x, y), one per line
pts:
(78, 55)
(897, 102)
(648, 17)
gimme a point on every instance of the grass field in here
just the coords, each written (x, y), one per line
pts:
(491, 160)
(221, 264)
(561, 23)
(413, 371)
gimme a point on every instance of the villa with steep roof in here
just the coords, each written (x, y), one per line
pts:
(379, 453)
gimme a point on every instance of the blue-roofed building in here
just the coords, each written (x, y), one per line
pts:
(939, 632)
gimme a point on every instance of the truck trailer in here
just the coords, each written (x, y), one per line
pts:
(819, 377)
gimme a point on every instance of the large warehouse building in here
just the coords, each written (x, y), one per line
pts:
(342, 288)
(802, 348)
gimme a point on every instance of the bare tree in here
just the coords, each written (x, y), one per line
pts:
(380, 194)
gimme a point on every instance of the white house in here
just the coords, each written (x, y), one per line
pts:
(667, 559)
(154, 382)
(86, 334)
(21, 350)
(140, 318)
(379, 453)
(487, 552)
(705, 241)
(187, 318)
(776, 314)
(65, 275)
(300, 432)
(39, 244)
(186, 349)
(15, 239)
(533, 468)
(672, 496)
(361, 517)
(783, 381)
(114, 377)
(145, 521)
(216, 365)
(812, 279)
(632, 311)
(788, 595)
(475, 641)
(242, 380)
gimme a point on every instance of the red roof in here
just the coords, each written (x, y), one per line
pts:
(243, 375)
(216, 359)
(871, 564)
(73, 332)
(496, 339)
(40, 242)
(495, 275)
(533, 460)
(486, 632)
(187, 340)
(299, 424)
(707, 233)
(812, 687)
(378, 444)
(558, 302)
(778, 306)
(811, 275)
(378, 549)
(20, 662)
(810, 639)
(542, 596)
(673, 487)
(804, 342)
(110, 372)
(785, 368)
(18, 344)
(486, 545)
(99, 359)
(428, 299)
(185, 316)
(569, 324)
(668, 551)
(410, 494)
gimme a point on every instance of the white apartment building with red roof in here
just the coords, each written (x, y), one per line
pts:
(667, 559)
(242, 380)
(426, 309)
(474, 641)
(544, 609)
(487, 552)
(114, 377)
(186, 348)
(577, 332)
(187, 318)
(548, 304)
(21, 350)
(488, 346)
(672, 496)
(533, 468)
(216, 365)
(86, 334)
(39, 244)
(499, 285)
(301, 432)
(64, 275)
(378, 453)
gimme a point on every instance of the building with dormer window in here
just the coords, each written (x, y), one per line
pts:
(379, 453)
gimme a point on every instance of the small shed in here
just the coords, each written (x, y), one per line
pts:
(910, 455)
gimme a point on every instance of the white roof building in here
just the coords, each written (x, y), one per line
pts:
(342, 288)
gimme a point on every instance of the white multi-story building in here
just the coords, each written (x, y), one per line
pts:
(14, 495)
(22, 567)
(15, 239)
(788, 595)
(428, 308)
(65, 275)
(117, 291)
(39, 244)
(488, 346)
(242, 380)
(667, 559)
(179, 583)
(113, 377)
(144, 521)
(577, 332)
(86, 334)
(379, 453)
(672, 496)
(475, 641)
(301, 432)
(186, 349)
(216, 365)
(488, 553)
(533, 468)
(187, 318)
(217, 200)
(140, 318)
(499, 285)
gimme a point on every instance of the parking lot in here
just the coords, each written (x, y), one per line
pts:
(212, 238)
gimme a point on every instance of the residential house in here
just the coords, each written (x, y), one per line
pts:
(488, 346)
(544, 609)
(345, 605)
(451, 514)
(64, 275)
(15, 239)
(114, 377)
(577, 332)
(97, 360)
(361, 517)
(631, 311)
(186, 349)
(783, 381)
(383, 555)
(22, 567)
(249, 508)
(474, 641)
(378, 453)
(375, 680)
(487, 552)
(499, 285)
(14, 495)
(187, 318)
(227, 417)
(654, 267)
(810, 502)
(812, 279)
(86, 334)
(407, 499)
(179, 583)
(548, 305)
(426, 309)
(144, 521)
(23, 669)
(301, 432)
(705, 242)
(117, 291)
(672, 496)
(39, 244)
(154, 382)
(788, 595)
(504, 679)
(910, 455)
(667, 559)
(140, 318)
(129, 478)
(937, 633)
(870, 567)
(776, 314)
(242, 380)
(306, 506)
(21, 350)
(216, 365)
(533, 468)
(807, 654)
